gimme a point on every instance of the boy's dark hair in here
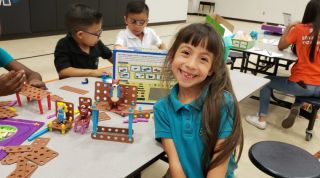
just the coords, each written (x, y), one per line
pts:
(137, 7)
(81, 16)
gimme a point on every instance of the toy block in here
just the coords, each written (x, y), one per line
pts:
(74, 90)
(4, 113)
(41, 155)
(112, 134)
(115, 96)
(34, 93)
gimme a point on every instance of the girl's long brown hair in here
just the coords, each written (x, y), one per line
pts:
(219, 83)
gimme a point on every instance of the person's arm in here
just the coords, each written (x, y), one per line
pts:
(221, 170)
(283, 43)
(162, 46)
(11, 82)
(105, 52)
(118, 46)
(120, 41)
(33, 78)
(175, 167)
(75, 72)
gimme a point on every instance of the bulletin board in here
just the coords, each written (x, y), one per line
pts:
(143, 69)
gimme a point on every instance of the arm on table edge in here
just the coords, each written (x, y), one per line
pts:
(75, 72)
(283, 43)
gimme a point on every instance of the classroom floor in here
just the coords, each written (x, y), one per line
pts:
(38, 54)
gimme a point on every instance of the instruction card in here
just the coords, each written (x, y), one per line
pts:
(143, 69)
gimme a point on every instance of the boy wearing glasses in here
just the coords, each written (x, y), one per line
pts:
(76, 55)
(137, 34)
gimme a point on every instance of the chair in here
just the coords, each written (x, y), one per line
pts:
(278, 159)
(206, 3)
(233, 57)
(311, 116)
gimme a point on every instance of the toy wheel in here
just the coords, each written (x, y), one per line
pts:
(308, 136)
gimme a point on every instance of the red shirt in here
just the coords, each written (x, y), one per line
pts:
(303, 69)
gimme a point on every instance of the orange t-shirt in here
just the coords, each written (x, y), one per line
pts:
(303, 69)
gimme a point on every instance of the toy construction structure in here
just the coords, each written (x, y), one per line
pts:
(116, 98)
(111, 133)
(34, 93)
(83, 119)
(138, 115)
(65, 117)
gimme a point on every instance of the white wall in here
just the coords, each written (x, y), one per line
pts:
(167, 10)
(258, 10)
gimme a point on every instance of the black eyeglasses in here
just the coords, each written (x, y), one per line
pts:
(137, 22)
(97, 34)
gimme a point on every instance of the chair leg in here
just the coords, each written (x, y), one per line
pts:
(313, 118)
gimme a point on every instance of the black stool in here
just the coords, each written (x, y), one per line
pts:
(234, 56)
(205, 3)
(311, 116)
(278, 159)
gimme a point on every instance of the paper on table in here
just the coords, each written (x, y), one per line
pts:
(273, 42)
(264, 52)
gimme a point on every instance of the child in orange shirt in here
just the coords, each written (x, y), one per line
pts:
(305, 74)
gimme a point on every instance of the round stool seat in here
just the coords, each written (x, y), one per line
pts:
(280, 159)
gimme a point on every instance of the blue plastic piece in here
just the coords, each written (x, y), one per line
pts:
(130, 124)
(95, 118)
(86, 81)
(254, 35)
(38, 134)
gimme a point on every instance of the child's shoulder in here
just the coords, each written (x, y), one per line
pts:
(162, 103)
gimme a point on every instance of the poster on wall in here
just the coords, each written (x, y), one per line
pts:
(142, 68)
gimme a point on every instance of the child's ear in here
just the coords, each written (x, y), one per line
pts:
(211, 72)
(79, 34)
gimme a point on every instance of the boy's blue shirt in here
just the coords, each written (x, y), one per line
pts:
(182, 123)
(5, 58)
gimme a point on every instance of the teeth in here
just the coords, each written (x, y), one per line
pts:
(187, 75)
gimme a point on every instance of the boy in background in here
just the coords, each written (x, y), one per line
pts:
(77, 54)
(137, 34)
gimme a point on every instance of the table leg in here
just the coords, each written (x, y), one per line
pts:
(276, 65)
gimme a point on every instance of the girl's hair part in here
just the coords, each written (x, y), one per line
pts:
(218, 85)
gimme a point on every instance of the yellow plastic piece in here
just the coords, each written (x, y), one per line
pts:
(63, 127)
(76, 112)
(12, 109)
(50, 126)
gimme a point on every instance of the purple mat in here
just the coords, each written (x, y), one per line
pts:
(25, 128)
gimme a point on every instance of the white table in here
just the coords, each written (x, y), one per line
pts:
(263, 48)
(82, 157)
(245, 84)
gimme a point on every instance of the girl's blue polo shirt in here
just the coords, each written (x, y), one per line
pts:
(182, 123)
(5, 58)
